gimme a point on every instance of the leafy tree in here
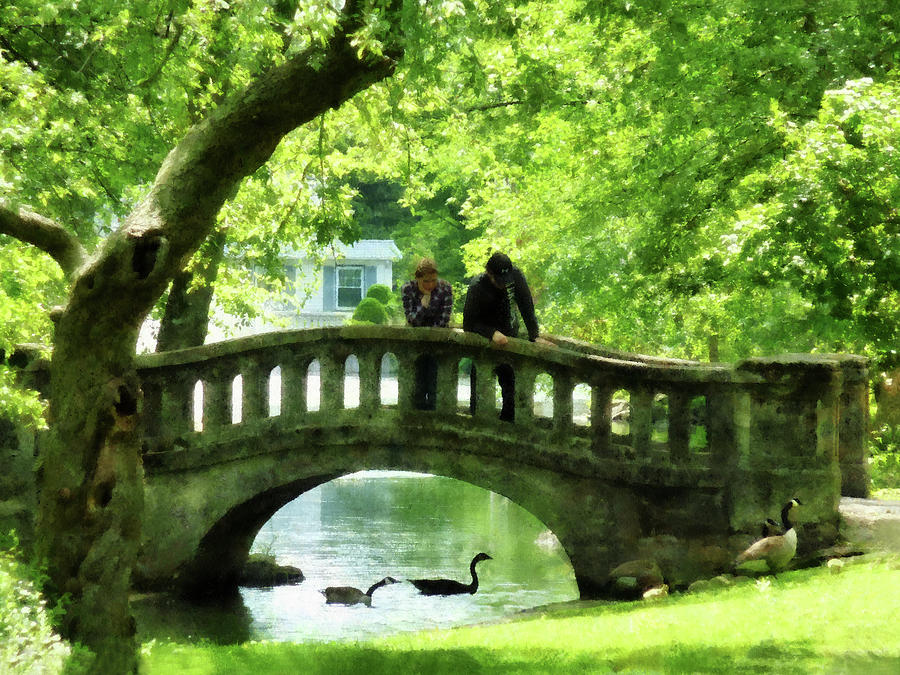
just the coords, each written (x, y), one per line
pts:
(91, 492)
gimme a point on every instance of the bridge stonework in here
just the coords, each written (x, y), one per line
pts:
(677, 460)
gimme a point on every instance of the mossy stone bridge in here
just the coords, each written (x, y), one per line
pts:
(686, 454)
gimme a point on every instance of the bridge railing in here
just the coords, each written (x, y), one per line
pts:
(790, 412)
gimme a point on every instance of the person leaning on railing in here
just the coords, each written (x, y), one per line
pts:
(427, 301)
(490, 311)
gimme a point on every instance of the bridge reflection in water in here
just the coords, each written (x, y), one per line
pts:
(700, 452)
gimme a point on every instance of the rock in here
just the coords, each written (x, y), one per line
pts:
(699, 585)
(721, 581)
(835, 565)
(263, 571)
(646, 574)
(656, 593)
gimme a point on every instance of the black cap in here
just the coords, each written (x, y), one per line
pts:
(500, 267)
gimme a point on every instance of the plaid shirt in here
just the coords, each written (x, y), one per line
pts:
(438, 311)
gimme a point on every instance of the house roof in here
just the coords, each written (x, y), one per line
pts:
(364, 249)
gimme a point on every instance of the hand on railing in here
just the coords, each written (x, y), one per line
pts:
(499, 339)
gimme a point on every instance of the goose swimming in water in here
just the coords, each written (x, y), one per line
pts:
(776, 549)
(347, 595)
(449, 586)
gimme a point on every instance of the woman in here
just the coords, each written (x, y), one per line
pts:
(427, 301)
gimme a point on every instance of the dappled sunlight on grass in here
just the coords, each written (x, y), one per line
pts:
(804, 621)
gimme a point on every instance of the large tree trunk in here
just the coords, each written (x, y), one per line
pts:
(91, 484)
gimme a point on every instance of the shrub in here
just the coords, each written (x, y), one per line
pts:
(381, 293)
(371, 310)
(884, 457)
(28, 643)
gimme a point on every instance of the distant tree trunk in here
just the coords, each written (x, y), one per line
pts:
(185, 321)
(887, 396)
(713, 342)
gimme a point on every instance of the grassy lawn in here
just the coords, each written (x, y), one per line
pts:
(808, 621)
(891, 494)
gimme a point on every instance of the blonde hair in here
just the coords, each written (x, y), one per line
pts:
(426, 266)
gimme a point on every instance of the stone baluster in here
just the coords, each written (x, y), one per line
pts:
(727, 431)
(331, 382)
(853, 427)
(447, 384)
(151, 409)
(641, 420)
(563, 387)
(601, 420)
(294, 375)
(679, 426)
(406, 379)
(485, 383)
(369, 380)
(216, 399)
(525, 381)
(177, 406)
(254, 391)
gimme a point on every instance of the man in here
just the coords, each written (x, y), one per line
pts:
(490, 311)
(427, 301)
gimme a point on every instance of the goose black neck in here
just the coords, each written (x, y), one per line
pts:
(785, 516)
(375, 587)
(474, 584)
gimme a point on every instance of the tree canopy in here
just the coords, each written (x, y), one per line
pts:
(696, 179)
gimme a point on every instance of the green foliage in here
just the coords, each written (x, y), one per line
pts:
(381, 293)
(884, 458)
(28, 643)
(370, 310)
(666, 175)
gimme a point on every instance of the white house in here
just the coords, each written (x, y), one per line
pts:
(339, 284)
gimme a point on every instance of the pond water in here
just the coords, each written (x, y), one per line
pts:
(354, 531)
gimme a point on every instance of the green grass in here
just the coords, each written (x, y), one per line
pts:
(890, 494)
(808, 621)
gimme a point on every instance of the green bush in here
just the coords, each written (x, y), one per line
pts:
(884, 457)
(371, 310)
(381, 293)
(28, 643)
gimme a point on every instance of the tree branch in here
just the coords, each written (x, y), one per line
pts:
(206, 167)
(47, 235)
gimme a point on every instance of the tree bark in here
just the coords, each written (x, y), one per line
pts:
(91, 474)
(185, 321)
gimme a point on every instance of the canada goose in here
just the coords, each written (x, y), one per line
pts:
(777, 549)
(347, 595)
(449, 586)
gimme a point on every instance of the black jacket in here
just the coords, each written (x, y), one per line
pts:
(487, 307)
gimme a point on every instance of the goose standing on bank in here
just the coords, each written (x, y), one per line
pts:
(777, 549)
(449, 586)
(347, 595)
(770, 527)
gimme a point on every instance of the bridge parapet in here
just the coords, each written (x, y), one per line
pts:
(666, 450)
(748, 427)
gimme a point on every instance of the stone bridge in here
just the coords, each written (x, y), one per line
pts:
(676, 460)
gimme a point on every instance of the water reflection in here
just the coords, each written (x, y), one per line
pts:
(357, 529)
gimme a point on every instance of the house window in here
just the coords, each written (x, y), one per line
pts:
(349, 286)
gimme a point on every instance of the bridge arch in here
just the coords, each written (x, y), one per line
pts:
(202, 541)
(770, 428)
